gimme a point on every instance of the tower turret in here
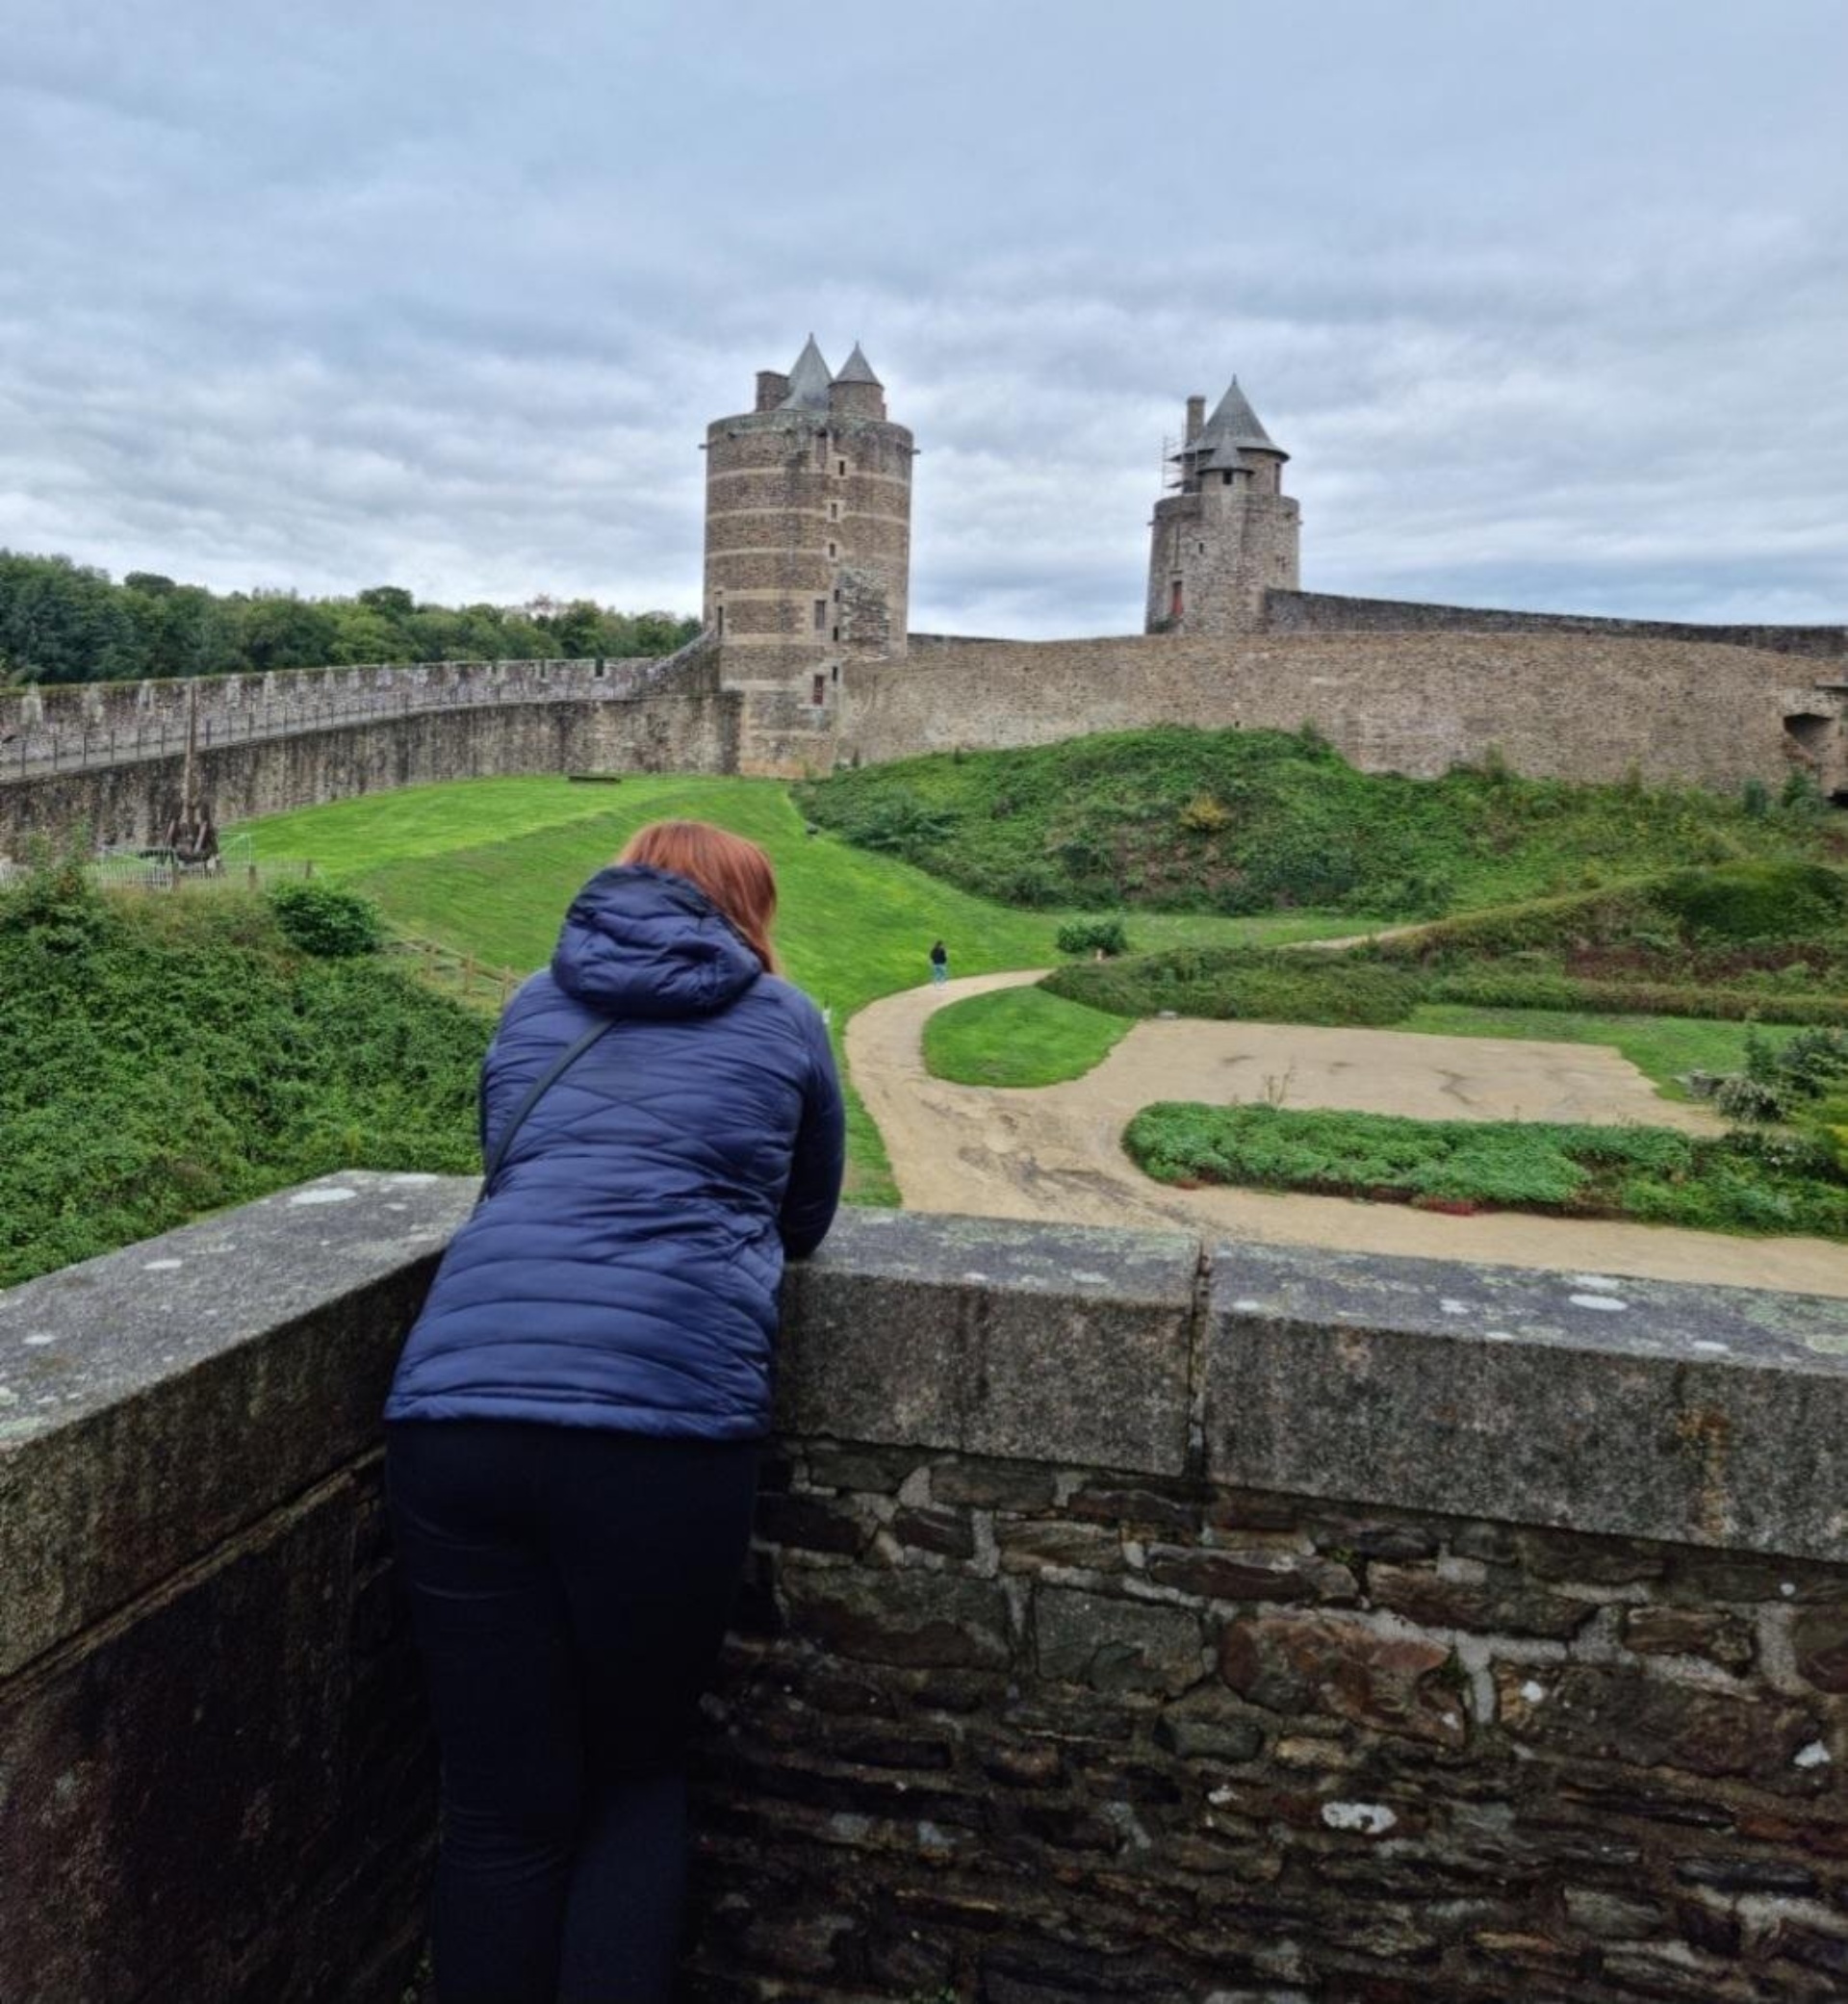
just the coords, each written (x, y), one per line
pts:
(808, 544)
(1226, 533)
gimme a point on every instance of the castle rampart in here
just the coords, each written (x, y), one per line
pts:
(1322, 612)
(1127, 1621)
(110, 756)
(1575, 705)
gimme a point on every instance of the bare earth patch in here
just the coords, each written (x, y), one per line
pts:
(1053, 1151)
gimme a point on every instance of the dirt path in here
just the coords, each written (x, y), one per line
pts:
(1052, 1151)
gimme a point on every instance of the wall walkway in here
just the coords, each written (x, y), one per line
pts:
(1259, 1626)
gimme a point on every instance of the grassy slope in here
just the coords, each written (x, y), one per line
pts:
(1224, 820)
(164, 1058)
(487, 866)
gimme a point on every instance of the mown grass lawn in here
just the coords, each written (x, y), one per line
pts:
(487, 867)
(1019, 1037)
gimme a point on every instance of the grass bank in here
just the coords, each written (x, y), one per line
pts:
(161, 1057)
(1245, 821)
(487, 867)
(1736, 1183)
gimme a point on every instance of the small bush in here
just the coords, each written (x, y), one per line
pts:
(1756, 900)
(1205, 816)
(330, 923)
(1084, 936)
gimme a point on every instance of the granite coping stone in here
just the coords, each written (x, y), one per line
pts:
(1046, 1342)
(157, 1399)
(1642, 1408)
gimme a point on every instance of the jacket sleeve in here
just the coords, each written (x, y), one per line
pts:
(820, 1155)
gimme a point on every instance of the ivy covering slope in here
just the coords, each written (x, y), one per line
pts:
(1244, 821)
(162, 1057)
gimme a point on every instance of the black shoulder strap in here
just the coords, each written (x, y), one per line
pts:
(535, 1092)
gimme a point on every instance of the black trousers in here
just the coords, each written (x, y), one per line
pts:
(569, 1589)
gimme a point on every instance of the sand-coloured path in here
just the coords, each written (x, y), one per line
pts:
(1054, 1151)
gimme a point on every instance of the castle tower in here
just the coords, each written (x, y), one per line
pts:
(1227, 533)
(807, 537)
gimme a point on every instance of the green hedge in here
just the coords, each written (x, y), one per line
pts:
(1744, 1183)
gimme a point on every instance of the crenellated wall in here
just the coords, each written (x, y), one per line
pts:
(1129, 1620)
(111, 756)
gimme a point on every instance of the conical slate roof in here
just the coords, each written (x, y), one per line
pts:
(857, 369)
(1234, 428)
(809, 382)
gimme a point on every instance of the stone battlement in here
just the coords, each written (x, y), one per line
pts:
(1129, 1619)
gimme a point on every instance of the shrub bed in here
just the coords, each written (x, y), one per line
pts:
(1738, 1183)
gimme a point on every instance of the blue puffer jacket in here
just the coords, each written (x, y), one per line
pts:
(624, 1270)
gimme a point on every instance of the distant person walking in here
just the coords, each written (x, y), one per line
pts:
(574, 1434)
(940, 961)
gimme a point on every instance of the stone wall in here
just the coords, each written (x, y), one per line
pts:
(1277, 1627)
(1579, 706)
(338, 748)
(1322, 612)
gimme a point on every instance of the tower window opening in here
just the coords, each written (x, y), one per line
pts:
(837, 634)
(1174, 599)
(840, 466)
(821, 452)
(821, 615)
(834, 549)
(1202, 549)
(837, 671)
(1225, 480)
(719, 620)
(818, 693)
(833, 511)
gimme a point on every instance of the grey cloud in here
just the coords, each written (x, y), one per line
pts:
(1547, 304)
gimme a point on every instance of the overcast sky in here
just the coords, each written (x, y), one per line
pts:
(1548, 298)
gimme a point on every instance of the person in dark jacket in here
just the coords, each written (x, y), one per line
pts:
(573, 1429)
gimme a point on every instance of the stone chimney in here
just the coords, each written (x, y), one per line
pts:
(773, 386)
(1195, 416)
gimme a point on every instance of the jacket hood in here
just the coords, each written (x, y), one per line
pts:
(642, 942)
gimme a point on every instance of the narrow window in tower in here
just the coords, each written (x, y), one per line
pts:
(819, 693)
(837, 634)
(821, 451)
(821, 615)
(834, 549)
(840, 466)
(1175, 600)
(719, 622)
(837, 671)
(1202, 549)
(833, 511)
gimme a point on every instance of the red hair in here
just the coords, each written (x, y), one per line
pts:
(734, 873)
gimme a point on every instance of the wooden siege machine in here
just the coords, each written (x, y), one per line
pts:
(192, 835)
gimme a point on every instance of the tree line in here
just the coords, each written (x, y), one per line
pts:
(63, 622)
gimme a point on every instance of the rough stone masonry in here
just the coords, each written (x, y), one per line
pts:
(1129, 1619)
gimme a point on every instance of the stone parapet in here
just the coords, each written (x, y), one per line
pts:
(1290, 611)
(1128, 1618)
(1583, 705)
